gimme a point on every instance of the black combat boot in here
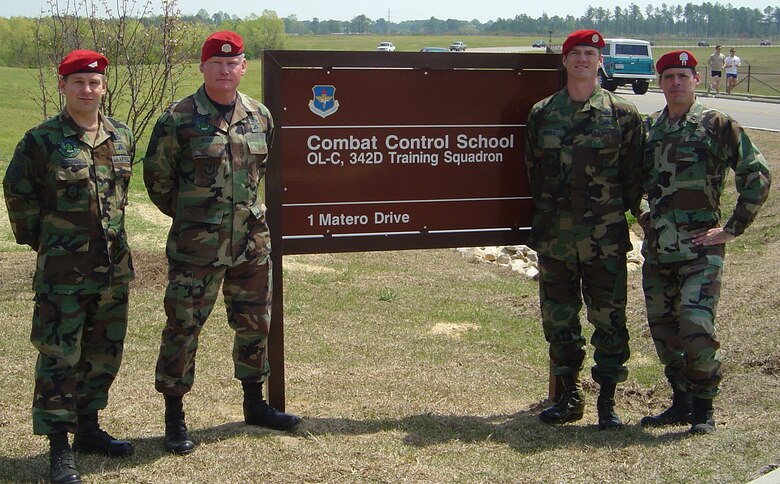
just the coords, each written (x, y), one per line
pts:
(605, 405)
(258, 412)
(62, 469)
(703, 421)
(177, 440)
(91, 439)
(678, 413)
(569, 406)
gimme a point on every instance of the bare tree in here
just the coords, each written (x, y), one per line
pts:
(148, 54)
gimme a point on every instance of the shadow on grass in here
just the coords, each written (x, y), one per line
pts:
(521, 431)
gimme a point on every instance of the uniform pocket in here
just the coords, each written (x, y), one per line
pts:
(198, 234)
(259, 237)
(258, 153)
(123, 170)
(208, 158)
(690, 175)
(66, 258)
(257, 144)
(607, 149)
(72, 182)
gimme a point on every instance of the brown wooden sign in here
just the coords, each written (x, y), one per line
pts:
(386, 151)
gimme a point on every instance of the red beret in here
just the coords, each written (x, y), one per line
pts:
(222, 44)
(83, 61)
(676, 58)
(591, 38)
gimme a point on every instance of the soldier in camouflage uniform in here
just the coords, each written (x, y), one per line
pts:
(206, 158)
(689, 149)
(583, 150)
(66, 191)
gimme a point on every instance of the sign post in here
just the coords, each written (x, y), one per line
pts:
(388, 151)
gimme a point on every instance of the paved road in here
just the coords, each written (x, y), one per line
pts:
(749, 113)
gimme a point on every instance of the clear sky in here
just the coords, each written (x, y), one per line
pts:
(482, 10)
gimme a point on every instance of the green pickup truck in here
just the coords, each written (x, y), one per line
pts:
(627, 61)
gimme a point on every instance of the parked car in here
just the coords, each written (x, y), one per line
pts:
(627, 61)
(385, 47)
(434, 49)
(703, 43)
(457, 46)
(540, 44)
(765, 42)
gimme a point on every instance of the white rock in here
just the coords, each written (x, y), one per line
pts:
(524, 260)
(519, 265)
(532, 273)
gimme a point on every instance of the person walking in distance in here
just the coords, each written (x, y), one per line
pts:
(715, 63)
(730, 65)
(583, 150)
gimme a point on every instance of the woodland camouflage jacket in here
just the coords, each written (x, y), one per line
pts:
(687, 162)
(205, 172)
(584, 166)
(67, 201)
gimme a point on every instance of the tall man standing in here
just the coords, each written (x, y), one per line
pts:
(689, 149)
(206, 158)
(66, 191)
(583, 150)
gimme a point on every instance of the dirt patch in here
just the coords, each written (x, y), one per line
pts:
(453, 330)
(769, 365)
(300, 265)
(151, 270)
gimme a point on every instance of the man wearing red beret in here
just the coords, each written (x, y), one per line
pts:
(689, 150)
(203, 168)
(66, 191)
(583, 150)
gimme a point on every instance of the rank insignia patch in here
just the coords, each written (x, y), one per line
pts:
(323, 102)
(210, 170)
(72, 192)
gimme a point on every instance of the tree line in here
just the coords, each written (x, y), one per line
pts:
(19, 44)
(704, 20)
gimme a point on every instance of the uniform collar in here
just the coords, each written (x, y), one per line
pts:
(71, 128)
(206, 108)
(597, 101)
(693, 116)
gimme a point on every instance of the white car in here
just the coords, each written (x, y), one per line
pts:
(385, 47)
(457, 46)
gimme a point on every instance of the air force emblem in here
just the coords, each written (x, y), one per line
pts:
(323, 102)
(69, 148)
(201, 124)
